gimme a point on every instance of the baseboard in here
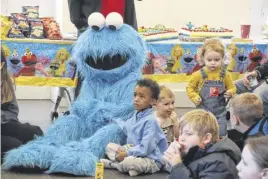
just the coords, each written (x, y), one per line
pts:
(181, 98)
(32, 92)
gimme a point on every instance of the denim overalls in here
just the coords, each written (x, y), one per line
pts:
(213, 99)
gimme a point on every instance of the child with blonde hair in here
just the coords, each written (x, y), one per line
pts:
(200, 153)
(247, 117)
(209, 86)
(165, 114)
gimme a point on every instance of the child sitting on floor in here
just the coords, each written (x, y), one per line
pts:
(247, 117)
(200, 153)
(146, 141)
(254, 163)
(209, 86)
(165, 114)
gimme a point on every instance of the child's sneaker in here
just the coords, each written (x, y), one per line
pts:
(133, 173)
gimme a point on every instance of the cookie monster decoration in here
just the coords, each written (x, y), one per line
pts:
(110, 56)
(241, 61)
(14, 63)
(189, 62)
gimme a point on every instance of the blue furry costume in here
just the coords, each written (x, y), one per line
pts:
(110, 62)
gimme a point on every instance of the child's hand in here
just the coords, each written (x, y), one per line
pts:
(228, 94)
(174, 147)
(254, 74)
(120, 149)
(121, 156)
(172, 158)
(173, 154)
(197, 101)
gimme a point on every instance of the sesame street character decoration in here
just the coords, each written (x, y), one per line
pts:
(148, 67)
(199, 62)
(255, 57)
(189, 62)
(176, 54)
(61, 57)
(41, 66)
(233, 50)
(158, 63)
(28, 60)
(110, 67)
(6, 50)
(170, 64)
(54, 66)
(14, 63)
(241, 61)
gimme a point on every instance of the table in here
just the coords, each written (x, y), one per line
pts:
(38, 62)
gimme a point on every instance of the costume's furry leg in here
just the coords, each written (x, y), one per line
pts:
(40, 151)
(79, 158)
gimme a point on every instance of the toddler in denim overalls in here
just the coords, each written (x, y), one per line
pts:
(211, 85)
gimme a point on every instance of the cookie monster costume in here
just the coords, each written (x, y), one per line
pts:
(110, 56)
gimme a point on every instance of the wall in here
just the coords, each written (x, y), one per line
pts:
(176, 13)
(258, 14)
(172, 13)
(46, 7)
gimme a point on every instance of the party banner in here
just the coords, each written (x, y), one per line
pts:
(182, 58)
(49, 63)
(40, 62)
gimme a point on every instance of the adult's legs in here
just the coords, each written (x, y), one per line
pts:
(39, 152)
(23, 132)
(8, 143)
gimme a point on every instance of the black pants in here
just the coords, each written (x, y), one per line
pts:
(14, 134)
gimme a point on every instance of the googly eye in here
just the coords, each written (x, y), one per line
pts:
(114, 21)
(96, 21)
(30, 53)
